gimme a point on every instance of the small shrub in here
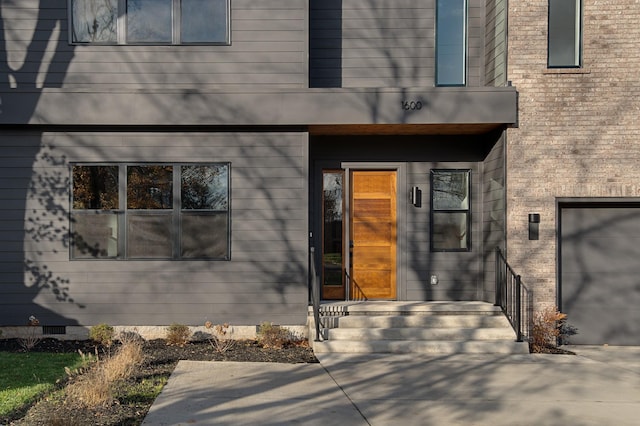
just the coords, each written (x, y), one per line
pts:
(33, 334)
(220, 340)
(273, 336)
(102, 334)
(129, 336)
(549, 327)
(178, 335)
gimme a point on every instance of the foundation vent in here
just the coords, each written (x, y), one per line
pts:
(54, 329)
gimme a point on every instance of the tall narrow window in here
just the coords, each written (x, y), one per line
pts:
(450, 210)
(565, 34)
(333, 272)
(451, 46)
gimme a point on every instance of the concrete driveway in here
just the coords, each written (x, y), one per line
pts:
(599, 386)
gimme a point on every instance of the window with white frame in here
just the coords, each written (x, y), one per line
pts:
(150, 211)
(149, 21)
(565, 34)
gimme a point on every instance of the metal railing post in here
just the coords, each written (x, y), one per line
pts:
(509, 296)
(498, 287)
(518, 307)
(315, 293)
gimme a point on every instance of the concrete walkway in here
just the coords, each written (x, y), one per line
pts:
(599, 386)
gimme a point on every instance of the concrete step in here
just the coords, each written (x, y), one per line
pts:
(406, 308)
(440, 347)
(417, 327)
(453, 333)
(422, 321)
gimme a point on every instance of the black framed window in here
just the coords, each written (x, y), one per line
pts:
(451, 42)
(150, 211)
(450, 210)
(565, 34)
(150, 21)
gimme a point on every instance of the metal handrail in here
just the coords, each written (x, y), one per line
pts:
(513, 297)
(315, 292)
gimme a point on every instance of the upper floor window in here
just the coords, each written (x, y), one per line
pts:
(150, 21)
(451, 45)
(565, 34)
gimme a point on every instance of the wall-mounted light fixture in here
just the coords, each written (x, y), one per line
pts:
(416, 196)
(534, 225)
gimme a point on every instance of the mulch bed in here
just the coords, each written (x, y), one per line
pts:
(161, 360)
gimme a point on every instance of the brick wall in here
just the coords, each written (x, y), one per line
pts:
(579, 130)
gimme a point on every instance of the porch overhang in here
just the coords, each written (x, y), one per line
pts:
(404, 129)
(443, 110)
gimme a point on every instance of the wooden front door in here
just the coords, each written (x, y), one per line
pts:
(372, 229)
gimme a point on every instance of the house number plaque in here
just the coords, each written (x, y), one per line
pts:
(411, 105)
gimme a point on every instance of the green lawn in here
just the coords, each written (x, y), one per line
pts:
(26, 376)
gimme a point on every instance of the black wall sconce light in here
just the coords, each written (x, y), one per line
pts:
(534, 225)
(416, 196)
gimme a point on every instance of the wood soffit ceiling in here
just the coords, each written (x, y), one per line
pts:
(404, 129)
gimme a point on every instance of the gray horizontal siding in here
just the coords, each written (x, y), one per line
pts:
(494, 215)
(496, 43)
(457, 272)
(265, 280)
(377, 43)
(268, 48)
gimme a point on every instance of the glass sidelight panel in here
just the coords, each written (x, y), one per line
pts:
(332, 234)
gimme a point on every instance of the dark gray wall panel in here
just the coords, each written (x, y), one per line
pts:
(268, 48)
(493, 214)
(600, 272)
(266, 279)
(496, 43)
(377, 43)
(457, 272)
(201, 106)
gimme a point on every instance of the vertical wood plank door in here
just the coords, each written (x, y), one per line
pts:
(373, 231)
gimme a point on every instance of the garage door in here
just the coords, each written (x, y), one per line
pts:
(600, 272)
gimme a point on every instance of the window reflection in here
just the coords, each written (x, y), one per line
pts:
(149, 187)
(332, 247)
(205, 187)
(149, 21)
(95, 187)
(450, 190)
(204, 21)
(450, 210)
(564, 33)
(451, 42)
(94, 21)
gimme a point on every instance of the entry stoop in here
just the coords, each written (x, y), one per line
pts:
(438, 328)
